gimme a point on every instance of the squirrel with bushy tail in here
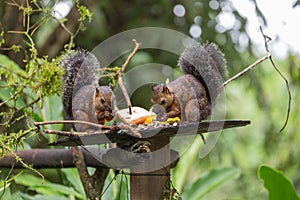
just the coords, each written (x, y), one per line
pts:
(83, 98)
(192, 96)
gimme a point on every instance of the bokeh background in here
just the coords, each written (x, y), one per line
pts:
(260, 95)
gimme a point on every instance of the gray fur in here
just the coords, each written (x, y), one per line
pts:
(205, 62)
(82, 68)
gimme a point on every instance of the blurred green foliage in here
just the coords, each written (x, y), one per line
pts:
(209, 182)
(260, 96)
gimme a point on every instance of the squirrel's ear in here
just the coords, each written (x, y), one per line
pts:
(153, 86)
(166, 89)
(110, 86)
(97, 91)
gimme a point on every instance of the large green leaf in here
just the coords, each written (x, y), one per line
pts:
(210, 181)
(53, 111)
(25, 196)
(6, 93)
(278, 185)
(186, 162)
(8, 194)
(2, 184)
(73, 177)
(9, 64)
(47, 188)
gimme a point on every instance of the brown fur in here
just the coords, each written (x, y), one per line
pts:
(93, 104)
(185, 98)
(192, 96)
(83, 99)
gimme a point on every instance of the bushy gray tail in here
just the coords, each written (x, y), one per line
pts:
(205, 62)
(82, 68)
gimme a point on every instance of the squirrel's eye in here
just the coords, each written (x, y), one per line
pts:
(162, 102)
(102, 100)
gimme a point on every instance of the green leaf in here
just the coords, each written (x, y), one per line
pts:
(5, 61)
(29, 180)
(53, 111)
(4, 187)
(7, 194)
(186, 162)
(34, 115)
(278, 185)
(35, 183)
(40, 197)
(73, 177)
(8, 181)
(210, 181)
(6, 93)
(46, 190)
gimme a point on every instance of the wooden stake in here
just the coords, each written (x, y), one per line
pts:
(150, 185)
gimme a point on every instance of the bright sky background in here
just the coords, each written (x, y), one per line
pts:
(282, 24)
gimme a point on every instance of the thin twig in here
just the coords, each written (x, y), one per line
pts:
(108, 69)
(14, 71)
(267, 39)
(25, 165)
(6, 179)
(87, 181)
(108, 75)
(267, 56)
(134, 132)
(67, 133)
(12, 120)
(11, 97)
(248, 68)
(124, 91)
(289, 95)
(73, 122)
(137, 45)
(121, 71)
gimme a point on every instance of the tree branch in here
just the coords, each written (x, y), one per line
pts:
(149, 131)
(100, 126)
(247, 68)
(121, 71)
(62, 158)
(267, 39)
(90, 183)
(113, 129)
(59, 37)
(267, 56)
(50, 158)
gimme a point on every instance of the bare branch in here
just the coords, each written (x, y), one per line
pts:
(289, 94)
(267, 39)
(89, 185)
(114, 128)
(134, 132)
(50, 158)
(125, 93)
(137, 45)
(267, 56)
(147, 132)
(67, 133)
(247, 69)
(74, 122)
(62, 158)
(120, 72)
